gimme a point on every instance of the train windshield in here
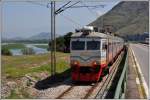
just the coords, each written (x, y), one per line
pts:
(93, 45)
(78, 45)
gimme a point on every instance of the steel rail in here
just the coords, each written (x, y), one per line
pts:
(90, 91)
(109, 79)
(103, 85)
(65, 92)
(106, 81)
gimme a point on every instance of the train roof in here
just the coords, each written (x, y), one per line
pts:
(95, 34)
(92, 34)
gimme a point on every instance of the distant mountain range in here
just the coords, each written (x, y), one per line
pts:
(40, 36)
(126, 18)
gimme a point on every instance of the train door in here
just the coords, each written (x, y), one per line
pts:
(104, 56)
(110, 51)
(114, 49)
(115, 44)
(103, 52)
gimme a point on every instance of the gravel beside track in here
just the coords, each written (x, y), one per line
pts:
(90, 91)
(76, 92)
(53, 92)
(71, 90)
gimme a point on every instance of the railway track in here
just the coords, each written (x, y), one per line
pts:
(102, 87)
(67, 90)
(98, 90)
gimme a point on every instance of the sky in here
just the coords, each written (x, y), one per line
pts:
(25, 19)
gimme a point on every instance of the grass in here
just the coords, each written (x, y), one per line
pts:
(18, 93)
(14, 46)
(13, 95)
(18, 66)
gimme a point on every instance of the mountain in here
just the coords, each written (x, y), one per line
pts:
(18, 38)
(41, 36)
(126, 18)
(5, 39)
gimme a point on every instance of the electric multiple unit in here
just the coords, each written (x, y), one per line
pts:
(91, 53)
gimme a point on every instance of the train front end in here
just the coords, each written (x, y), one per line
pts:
(85, 58)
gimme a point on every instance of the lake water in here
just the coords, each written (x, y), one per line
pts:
(16, 52)
(36, 49)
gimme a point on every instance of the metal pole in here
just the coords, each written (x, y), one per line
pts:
(54, 41)
(52, 31)
(102, 23)
(51, 41)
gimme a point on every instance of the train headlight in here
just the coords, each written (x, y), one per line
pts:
(74, 66)
(95, 63)
(96, 66)
(75, 63)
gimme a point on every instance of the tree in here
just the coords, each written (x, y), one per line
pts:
(67, 38)
(5, 51)
(63, 43)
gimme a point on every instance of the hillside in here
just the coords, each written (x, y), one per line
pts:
(41, 36)
(127, 18)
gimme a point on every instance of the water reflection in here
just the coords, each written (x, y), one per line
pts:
(36, 49)
(16, 52)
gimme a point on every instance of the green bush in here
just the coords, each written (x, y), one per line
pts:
(5, 51)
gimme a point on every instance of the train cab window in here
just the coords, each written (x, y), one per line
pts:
(93, 45)
(78, 45)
